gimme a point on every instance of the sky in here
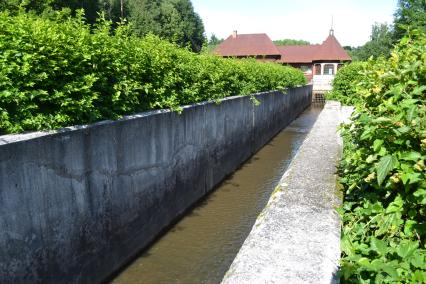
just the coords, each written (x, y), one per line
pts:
(296, 19)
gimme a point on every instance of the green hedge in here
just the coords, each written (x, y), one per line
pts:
(383, 172)
(345, 83)
(57, 71)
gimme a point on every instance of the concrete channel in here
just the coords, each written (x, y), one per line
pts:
(201, 246)
(79, 203)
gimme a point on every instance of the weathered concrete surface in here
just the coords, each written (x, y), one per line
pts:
(76, 204)
(296, 239)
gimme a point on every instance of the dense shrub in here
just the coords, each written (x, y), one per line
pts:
(57, 71)
(383, 171)
(345, 83)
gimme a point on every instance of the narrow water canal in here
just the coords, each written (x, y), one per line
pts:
(201, 247)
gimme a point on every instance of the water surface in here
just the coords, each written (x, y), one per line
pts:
(202, 245)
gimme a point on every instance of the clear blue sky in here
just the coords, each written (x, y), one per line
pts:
(297, 19)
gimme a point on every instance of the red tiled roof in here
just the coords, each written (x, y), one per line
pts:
(247, 45)
(331, 49)
(297, 53)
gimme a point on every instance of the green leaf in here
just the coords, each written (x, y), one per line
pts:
(419, 90)
(404, 129)
(411, 113)
(371, 159)
(408, 228)
(376, 144)
(376, 264)
(419, 277)
(391, 271)
(363, 261)
(420, 192)
(379, 246)
(346, 246)
(406, 248)
(385, 165)
(410, 156)
(405, 177)
(396, 205)
(418, 260)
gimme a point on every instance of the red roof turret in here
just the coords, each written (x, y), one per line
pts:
(331, 49)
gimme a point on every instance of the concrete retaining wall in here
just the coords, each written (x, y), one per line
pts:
(76, 204)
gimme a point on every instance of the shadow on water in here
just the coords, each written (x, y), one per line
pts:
(200, 247)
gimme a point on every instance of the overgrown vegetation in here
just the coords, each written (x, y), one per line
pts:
(345, 83)
(383, 170)
(57, 71)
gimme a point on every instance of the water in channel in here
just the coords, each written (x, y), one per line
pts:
(202, 245)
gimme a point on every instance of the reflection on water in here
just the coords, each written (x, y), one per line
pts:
(201, 247)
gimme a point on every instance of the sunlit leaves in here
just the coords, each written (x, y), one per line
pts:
(56, 71)
(383, 171)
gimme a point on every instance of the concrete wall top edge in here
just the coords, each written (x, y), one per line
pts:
(15, 138)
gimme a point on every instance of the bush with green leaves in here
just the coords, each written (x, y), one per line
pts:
(56, 71)
(383, 171)
(345, 83)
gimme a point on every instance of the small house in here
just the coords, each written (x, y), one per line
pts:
(319, 62)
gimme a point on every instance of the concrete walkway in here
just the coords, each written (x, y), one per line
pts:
(296, 239)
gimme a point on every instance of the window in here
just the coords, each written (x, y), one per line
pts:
(339, 66)
(306, 68)
(329, 69)
(317, 69)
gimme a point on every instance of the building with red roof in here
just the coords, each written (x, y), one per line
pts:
(319, 62)
(259, 46)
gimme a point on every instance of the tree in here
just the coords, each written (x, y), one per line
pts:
(114, 9)
(380, 43)
(291, 42)
(212, 43)
(174, 20)
(411, 14)
(13, 5)
(91, 7)
(214, 40)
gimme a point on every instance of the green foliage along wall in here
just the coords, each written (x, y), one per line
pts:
(345, 83)
(57, 71)
(383, 172)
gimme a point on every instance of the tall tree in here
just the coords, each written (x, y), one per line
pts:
(13, 5)
(411, 14)
(91, 7)
(175, 20)
(114, 9)
(214, 40)
(380, 43)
